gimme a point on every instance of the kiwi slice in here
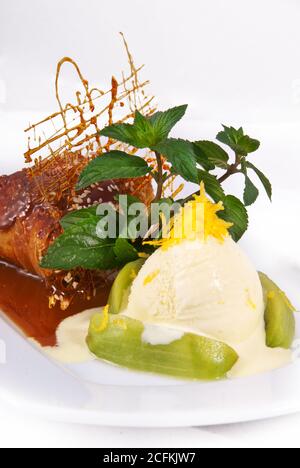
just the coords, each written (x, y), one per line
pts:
(189, 357)
(279, 315)
(118, 298)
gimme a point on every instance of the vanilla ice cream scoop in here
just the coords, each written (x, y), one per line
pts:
(207, 288)
(202, 282)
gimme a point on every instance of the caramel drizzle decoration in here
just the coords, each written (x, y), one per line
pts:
(77, 124)
(77, 137)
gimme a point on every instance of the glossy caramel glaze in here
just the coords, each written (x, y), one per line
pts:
(24, 300)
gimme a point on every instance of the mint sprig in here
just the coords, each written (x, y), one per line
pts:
(237, 140)
(195, 161)
(146, 132)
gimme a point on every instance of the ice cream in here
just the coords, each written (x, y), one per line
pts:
(205, 284)
(209, 288)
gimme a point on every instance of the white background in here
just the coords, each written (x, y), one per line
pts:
(233, 62)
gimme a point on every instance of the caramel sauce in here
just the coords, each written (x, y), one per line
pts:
(24, 299)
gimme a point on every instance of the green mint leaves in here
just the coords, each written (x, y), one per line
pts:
(236, 213)
(209, 155)
(85, 215)
(212, 185)
(146, 132)
(180, 153)
(125, 252)
(239, 142)
(243, 145)
(113, 165)
(163, 122)
(81, 244)
(264, 180)
(250, 193)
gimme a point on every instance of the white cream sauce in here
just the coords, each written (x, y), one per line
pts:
(254, 356)
(71, 339)
(157, 335)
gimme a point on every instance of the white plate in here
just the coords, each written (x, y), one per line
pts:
(97, 393)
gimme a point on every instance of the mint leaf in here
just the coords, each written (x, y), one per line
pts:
(139, 134)
(210, 154)
(122, 132)
(79, 216)
(141, 123)
(236, 213)
(212, 186)
(180, 153)
(163, 122)
(146, 131)
(239, 142)
(202, 159)
(264, 180)
(81, 247)
(125, 251)
(113, 165)
(250, 193)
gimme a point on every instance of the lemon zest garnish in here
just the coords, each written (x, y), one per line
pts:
(149, 278)
(104, 322)
(250, 302)
(197, 220)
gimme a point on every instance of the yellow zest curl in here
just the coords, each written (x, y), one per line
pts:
(151, 277)
(250, 301)
(104, 322)
(197, 220)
